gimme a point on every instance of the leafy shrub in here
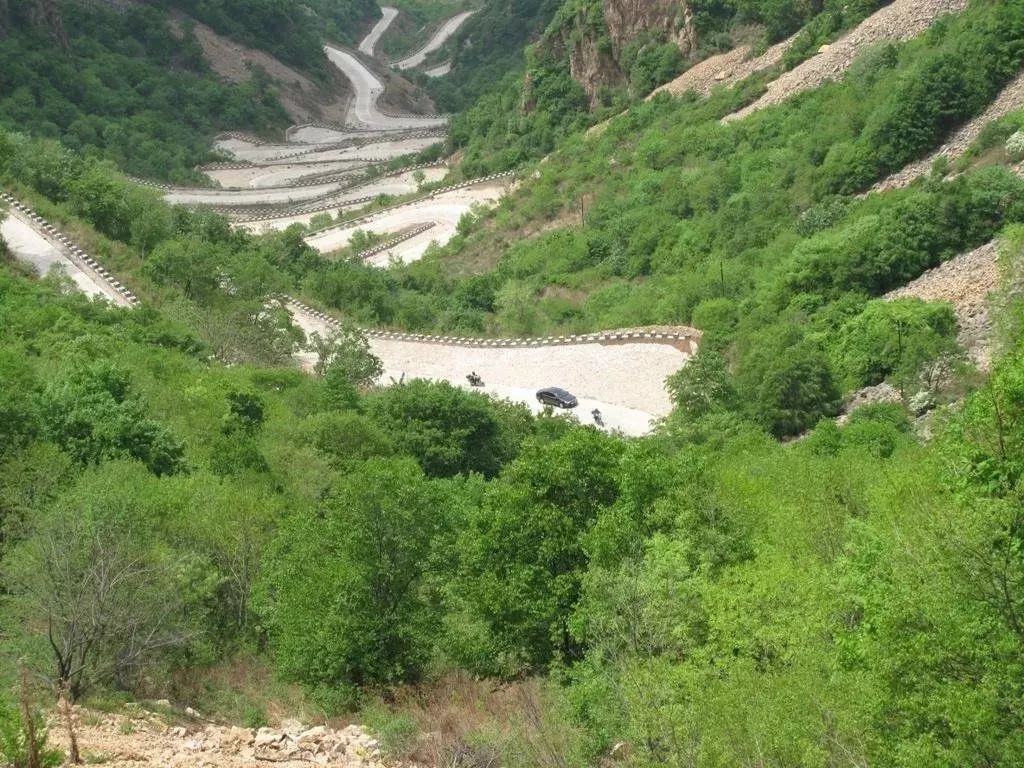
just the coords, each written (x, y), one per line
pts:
(892, 338)
(1015, 146)
(23, 741)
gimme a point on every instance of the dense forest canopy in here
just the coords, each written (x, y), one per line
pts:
(126, 89)
(756, 582)
(290, 31)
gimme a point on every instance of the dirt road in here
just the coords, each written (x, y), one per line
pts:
(624, 381)
(369, 42)
(440, 37)
(445, 210)
(30, 246)
(367, 86)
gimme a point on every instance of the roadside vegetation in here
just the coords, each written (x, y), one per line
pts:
(751, 231)
(181, 508)
(416, 22)
(120, 86)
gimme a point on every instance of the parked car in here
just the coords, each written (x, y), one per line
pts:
(557, 397)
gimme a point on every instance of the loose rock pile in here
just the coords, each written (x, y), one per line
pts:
(1009, 100)
(965, 282)
(143, 738)
(902, 20)
(724, 69)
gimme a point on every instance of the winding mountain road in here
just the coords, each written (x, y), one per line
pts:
(369, 42)
(624, 381)
(363, 111)
(32, 247)
(444, 210)
(439, 38)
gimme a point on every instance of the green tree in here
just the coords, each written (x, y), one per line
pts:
(343, 595)
(93, 414)
(522, 553)
(797, 391)
(448, 430)
(345, 354)
(702, 385)
(102, 594)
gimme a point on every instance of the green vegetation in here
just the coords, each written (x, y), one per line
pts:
(488, 47)
(526, 116)
(416, 22)
(291, 32)
(703, 596)
(125, 89)
(773, 599)
(749, 230)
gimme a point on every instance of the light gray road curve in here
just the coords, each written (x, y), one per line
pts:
(439, 71)
(31, 247)
(367, 86)
(445, 209)
(440, 37)
(624, 381)
(370, 41)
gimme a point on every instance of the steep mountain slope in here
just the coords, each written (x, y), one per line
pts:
(751, 230)
(133, 83)
(291, 32)
(496, 585)
(487, 48)
(598, 56)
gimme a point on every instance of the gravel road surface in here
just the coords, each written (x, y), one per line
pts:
(367, 86)
(440, 37)
(370, 41)
(444, 209)
(31, 247)
(624, 381)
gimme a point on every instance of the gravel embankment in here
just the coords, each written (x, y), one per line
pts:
(142, 738)
(725, 69)
(1010, 99)
(965, 282)
(900, 21)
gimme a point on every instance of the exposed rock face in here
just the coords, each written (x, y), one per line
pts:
(628, 18)
(593, 67)
(597, 36)
(45, 14)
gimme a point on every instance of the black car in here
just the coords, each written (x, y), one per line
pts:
(557, 397)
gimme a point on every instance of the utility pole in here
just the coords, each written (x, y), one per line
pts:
(899, 354)
(583, 219)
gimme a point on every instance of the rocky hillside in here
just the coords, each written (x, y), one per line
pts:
(137, 736)
(621, 49)
(612, 43)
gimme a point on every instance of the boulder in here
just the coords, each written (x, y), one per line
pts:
(266, 737)
(316, 734)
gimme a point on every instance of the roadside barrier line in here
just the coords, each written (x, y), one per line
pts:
(373, 214)
(71, 249)
(686, 341)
